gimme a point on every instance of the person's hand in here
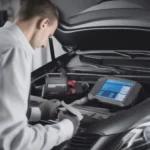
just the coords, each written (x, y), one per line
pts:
(37, 98)
(74, 119)
(49, 109)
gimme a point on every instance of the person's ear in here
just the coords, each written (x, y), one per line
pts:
(43, 23)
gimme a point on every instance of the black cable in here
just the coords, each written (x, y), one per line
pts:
(52, 52)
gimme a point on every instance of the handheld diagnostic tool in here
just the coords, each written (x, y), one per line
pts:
(115, 91)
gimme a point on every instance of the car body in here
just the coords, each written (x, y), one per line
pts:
(103, 38)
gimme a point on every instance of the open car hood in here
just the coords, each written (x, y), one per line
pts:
(103, 24)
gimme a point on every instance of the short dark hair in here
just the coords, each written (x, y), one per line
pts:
(42, 8)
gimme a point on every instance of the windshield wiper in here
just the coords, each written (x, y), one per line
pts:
(132, 68)
(112, 69)
(131, 54)
(89, 67)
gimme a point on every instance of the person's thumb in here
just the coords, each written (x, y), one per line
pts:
(58, 103)
(60, 116)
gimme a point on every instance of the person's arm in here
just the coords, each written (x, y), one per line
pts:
(15, 133)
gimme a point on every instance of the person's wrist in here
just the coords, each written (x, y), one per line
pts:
(35, 114)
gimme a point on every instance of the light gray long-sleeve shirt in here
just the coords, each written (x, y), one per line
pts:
(15, 69)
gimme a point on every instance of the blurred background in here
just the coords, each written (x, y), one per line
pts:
(8, 12)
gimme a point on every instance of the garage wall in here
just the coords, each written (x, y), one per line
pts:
(15, 5)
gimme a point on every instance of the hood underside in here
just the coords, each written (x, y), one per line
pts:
(104, 24)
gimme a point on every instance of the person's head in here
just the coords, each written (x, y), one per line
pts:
(39, 20)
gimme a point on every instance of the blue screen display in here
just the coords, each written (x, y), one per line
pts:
(115, 90)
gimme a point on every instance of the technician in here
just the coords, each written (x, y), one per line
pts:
(37, 20)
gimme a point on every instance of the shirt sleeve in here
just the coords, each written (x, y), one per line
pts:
(15, 132)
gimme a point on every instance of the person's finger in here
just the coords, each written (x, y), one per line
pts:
(61, 113)
(37, 98)
(56, 102)
(62, 109)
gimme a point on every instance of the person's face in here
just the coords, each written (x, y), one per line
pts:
(43, 32)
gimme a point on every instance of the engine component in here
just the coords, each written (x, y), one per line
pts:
(54, 86)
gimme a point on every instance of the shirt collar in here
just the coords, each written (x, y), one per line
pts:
(19, 36)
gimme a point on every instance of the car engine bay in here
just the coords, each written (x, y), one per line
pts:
(101, 121)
